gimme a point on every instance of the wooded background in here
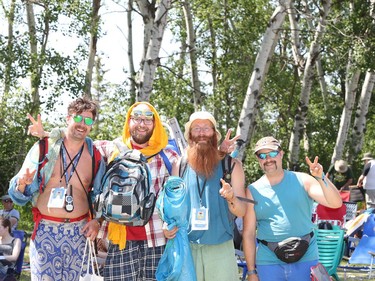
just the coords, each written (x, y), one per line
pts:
(302, 71)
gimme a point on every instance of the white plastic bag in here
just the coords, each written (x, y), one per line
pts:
(92, 268)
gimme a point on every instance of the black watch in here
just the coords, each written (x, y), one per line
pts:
(250, 272)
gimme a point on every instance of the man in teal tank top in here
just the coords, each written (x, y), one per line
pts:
(284, 210)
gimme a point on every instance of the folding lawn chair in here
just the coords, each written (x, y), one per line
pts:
(362, 257)
(351, 210)
(23, 236)
(331, 248)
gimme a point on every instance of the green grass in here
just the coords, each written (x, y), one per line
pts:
(350, 275)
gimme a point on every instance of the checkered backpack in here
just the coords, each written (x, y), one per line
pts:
(126, 196)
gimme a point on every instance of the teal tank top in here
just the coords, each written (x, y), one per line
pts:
(221, 220)
(283, 210)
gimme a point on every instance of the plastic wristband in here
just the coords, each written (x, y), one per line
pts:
(323, 178)
(318, 178)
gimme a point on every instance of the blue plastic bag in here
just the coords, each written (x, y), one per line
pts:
(173, 204)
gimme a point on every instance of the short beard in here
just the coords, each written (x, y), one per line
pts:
(203, 157)
(140, 139)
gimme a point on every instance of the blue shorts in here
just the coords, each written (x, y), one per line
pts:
(298, 271)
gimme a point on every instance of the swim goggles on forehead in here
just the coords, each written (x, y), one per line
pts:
(87, 120)
(145, 113)
(271, 154)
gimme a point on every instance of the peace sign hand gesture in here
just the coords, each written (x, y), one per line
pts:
(228, 145)
(316, 170)
(36, 128)
(25, 179)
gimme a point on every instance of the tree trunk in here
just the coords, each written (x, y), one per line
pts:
(351, 85)
(299, 61)
(195, 82)
(308, 76)
(93, 44)
(10, 58)
(133, 85)
(359, 125)
(151, 59)
(37, 59)
(248, 114)
(34, 79)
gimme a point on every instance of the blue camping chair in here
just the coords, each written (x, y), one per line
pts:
(23, 236)
(362, 258)
(331, 248)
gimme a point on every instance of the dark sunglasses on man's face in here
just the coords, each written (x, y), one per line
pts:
(7, 201)
(271, 154)
(78, 119)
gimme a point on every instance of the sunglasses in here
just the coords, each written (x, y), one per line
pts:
(145, 113)
(7, 201)
(88, 120)
(271, 154)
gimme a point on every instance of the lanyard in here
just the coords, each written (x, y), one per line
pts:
(200, 192)
(73, 162)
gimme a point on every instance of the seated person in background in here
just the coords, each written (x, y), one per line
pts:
(10, 249)
(9, 212)
(340, 174)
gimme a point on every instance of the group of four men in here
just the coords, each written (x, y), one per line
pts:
(284, 200)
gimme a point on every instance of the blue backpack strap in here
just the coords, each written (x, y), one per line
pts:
(167, 164)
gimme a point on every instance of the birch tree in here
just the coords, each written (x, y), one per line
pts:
(359, 125)
(93, 46)
(351, 85)
(132, 73)
(155, 21)
(10, 53)
(248, 114)
(35, 56)
(308, 77)
(195, 82)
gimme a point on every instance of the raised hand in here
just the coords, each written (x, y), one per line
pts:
(316, 170)
(226, 191)
(25, 179)
(228, 144)
(36, 128)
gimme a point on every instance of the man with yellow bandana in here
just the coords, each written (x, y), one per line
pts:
(134, 251)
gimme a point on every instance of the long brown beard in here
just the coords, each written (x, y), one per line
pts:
(203, 157)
